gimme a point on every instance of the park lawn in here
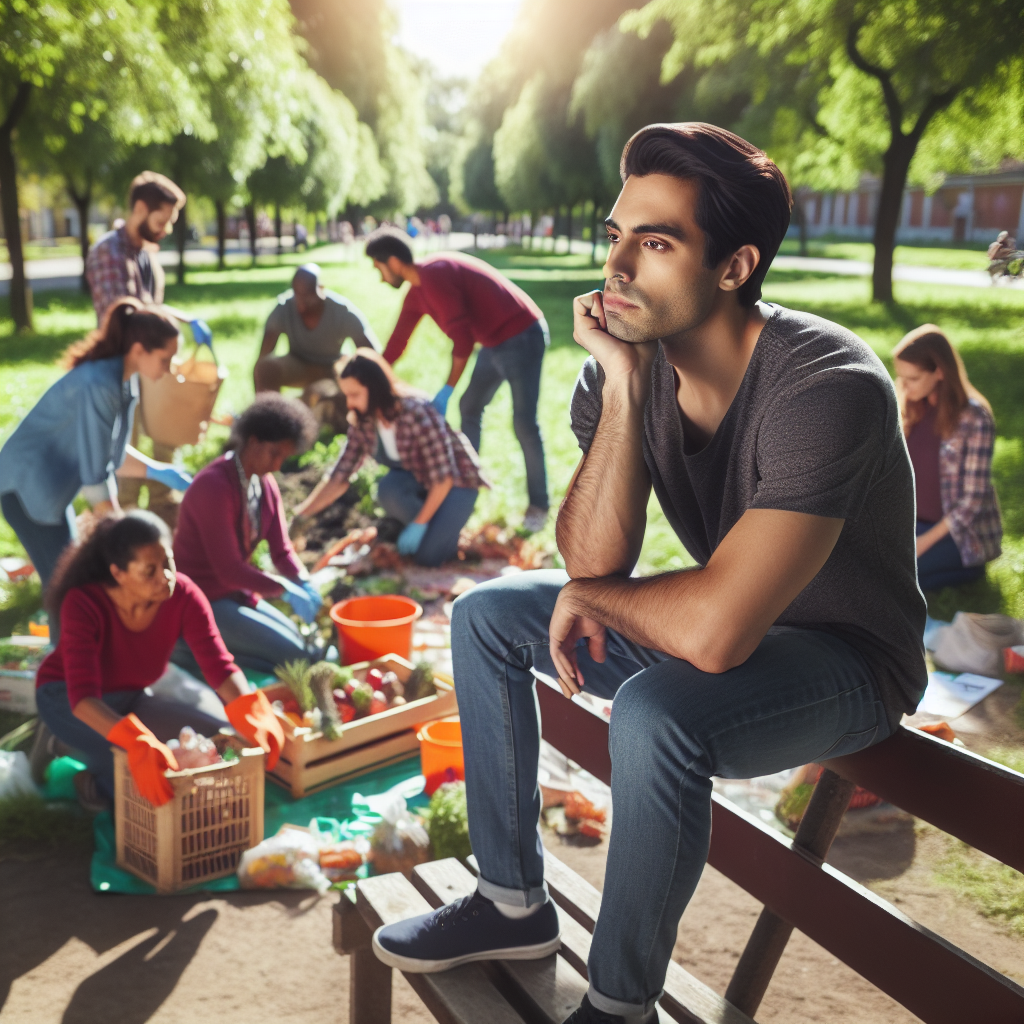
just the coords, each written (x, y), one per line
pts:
(987, 325)
(968, 256)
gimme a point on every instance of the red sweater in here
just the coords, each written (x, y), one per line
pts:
(98, 654)
(468, 299)
(209, 542)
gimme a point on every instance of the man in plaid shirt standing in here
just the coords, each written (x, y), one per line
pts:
(123, 262)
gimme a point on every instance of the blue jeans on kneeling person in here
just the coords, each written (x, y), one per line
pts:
(941, 565)
(402, 496)
(802, 696)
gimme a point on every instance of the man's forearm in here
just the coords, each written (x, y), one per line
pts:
(458, 366)
(601, 523)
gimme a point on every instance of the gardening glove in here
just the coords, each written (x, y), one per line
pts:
(148, 759)
(440, 402)
(410, 539)
(302, 601)
(169, 476)
(201, 332)
(315, 595)
(254, 720)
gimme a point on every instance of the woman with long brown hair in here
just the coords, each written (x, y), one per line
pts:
(75, 438)
(950, 435)
(433, 477)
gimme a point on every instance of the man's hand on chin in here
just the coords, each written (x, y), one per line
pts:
(590, 331)
(567, 626)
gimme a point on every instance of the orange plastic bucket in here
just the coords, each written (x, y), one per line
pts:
(441, 752)
(370, 627)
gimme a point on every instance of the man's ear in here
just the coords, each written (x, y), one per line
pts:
(739, 267)
(394, 264)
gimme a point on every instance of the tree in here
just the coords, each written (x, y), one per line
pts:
(833, 88)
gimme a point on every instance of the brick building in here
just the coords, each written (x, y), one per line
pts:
(968, 207)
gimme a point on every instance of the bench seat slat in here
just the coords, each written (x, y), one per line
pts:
(883, 945)
(463, 995)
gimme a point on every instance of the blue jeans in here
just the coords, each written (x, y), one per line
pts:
(259, 638)
(517, 360)
(165, 718)
(941, 566)
(802, 696)
(401, 496)
(44, 543)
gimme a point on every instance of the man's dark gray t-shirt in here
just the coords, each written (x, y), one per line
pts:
(814, 428)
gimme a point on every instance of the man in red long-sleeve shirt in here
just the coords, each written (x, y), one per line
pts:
(472, 303)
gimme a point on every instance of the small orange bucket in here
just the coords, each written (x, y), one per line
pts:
(370, 627)
(441, 752)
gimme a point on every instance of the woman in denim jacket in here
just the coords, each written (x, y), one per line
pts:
(950, 435)
(76, 436)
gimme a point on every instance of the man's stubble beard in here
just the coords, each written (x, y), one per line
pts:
(655, 321)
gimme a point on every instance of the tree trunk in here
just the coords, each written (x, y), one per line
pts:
(20, 293)
(568, 228)
(895, 163)
(82, 201)
(222, 230)
(277, 228)
(180, 237)
(800, 216)
(593, 232)
(250, 220)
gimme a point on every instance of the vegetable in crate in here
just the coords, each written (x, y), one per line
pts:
(362, 698)
(420, 683)
(295, 675)
(323, 678)
(391, 686)
(448, 824)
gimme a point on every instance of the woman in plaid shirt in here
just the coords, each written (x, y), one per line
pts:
(434, 474)
(950, 435)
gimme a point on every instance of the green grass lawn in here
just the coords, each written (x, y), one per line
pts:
(987, 326)
(966, 256)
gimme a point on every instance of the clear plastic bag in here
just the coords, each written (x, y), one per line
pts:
(289, 860)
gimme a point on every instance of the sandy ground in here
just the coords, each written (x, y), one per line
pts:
(69, 956)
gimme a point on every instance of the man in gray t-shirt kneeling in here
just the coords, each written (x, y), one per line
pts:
(772, 441)
(317, 322)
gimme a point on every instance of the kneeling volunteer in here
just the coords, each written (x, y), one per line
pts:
(122, 608)
(232, 505)
(434, 476)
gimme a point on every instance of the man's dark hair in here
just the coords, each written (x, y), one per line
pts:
(744, 198)
(155, 190)
(307, 276)
(387, 242)
(272, 417)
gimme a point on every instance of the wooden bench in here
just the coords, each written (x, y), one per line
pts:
(967, 796)
(500, 992)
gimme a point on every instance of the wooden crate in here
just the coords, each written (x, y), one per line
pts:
(309, 761)
(216, 814)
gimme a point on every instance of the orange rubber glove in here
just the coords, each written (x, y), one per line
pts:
(148, 759)
(255, 721)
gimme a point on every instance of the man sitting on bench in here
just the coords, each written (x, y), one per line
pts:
(772, 440)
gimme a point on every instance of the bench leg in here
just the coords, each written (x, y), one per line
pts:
(369, 983)
(767, 942)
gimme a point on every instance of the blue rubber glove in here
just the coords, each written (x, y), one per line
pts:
(169, 476)
(440, 402)
(410, 539)
(201, 332)
(302, 601)
(314, 594)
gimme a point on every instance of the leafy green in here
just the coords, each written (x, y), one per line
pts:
(448, 822)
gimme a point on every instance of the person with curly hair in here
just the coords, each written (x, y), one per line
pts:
(76, 437)
(232, 505)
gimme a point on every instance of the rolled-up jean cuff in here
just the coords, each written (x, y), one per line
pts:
(513, 897)
(631, 1011)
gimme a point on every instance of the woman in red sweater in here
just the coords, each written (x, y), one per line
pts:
(122, 607)
(232, 505)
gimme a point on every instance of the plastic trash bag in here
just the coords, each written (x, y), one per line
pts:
(15, 775)
(399, 841)
(289, 860)
(974, 643)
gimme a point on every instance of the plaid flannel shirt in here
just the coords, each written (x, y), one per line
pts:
(969, 501)
(112, 270)
(427, 447)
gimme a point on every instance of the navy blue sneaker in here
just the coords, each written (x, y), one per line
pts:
(471, 928)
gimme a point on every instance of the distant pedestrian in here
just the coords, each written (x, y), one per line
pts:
(1001, 253)
(472, 303)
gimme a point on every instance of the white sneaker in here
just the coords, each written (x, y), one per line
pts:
(535, 518)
